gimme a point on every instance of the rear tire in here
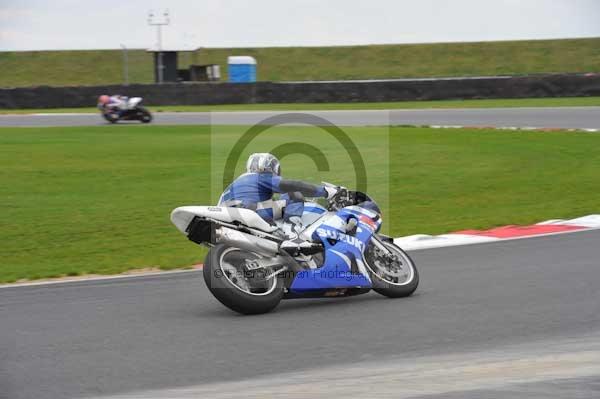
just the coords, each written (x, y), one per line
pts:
(396, 279)
(112, 118)
(219, 276)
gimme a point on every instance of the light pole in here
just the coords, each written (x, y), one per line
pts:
(125, 66)
(159, 21)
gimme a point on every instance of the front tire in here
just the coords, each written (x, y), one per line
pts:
(242, 291)
(394, 276)
(144, 115)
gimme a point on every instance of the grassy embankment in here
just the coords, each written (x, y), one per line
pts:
(99, 67)
(97, 199)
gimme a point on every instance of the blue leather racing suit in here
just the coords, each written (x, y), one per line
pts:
(255, 191)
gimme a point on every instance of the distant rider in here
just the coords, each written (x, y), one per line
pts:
(115, 103)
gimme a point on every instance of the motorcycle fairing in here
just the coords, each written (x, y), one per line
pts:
(343, 266)
(133, 102)
(183, 216)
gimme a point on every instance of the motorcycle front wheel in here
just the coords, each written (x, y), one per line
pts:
(245, 291)
(393, 273)
(144, 115)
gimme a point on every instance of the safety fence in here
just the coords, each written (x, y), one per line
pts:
(556, 85)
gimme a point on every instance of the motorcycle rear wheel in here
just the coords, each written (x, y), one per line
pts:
(111, 117)
(241, 290)
(393, 276)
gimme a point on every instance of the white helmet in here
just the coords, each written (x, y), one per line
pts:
(263, 163)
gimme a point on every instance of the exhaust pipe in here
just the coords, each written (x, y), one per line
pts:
(246, 242)
(207, 232)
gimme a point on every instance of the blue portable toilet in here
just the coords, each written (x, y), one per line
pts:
(242, 69)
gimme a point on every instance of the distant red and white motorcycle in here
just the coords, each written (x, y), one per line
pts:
(119, 108)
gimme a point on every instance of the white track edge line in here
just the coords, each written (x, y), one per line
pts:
(84, 279)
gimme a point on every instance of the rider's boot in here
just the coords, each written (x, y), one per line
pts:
(297, 246)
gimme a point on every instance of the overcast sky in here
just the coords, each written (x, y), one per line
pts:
(87, 24)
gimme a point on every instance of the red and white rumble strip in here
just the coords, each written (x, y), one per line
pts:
(515, 128)
(465, 237)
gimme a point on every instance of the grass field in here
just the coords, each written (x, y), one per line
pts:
(62, 68)
(442, 104)
(97, 199)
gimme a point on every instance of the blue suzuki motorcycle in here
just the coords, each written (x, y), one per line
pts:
(331, 251)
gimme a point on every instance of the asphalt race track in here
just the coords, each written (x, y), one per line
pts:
(572, 117)
(507, 319)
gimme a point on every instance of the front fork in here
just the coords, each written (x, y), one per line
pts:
(377, 239)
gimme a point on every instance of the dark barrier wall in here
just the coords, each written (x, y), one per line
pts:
(310, 92)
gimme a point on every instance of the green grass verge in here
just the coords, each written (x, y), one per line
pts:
(97, 199)
(63, 68)
(442, 104)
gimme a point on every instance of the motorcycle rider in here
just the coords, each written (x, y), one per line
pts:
(115, 103)
(255, 188)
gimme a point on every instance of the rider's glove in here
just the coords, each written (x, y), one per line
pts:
(331, 191)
